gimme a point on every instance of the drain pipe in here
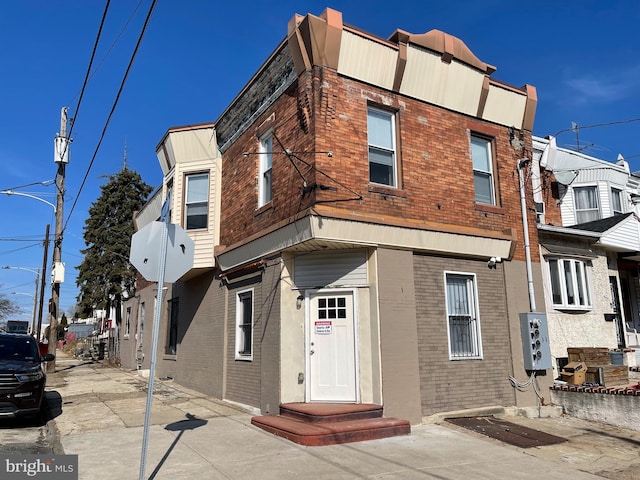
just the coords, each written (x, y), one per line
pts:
(525, 226)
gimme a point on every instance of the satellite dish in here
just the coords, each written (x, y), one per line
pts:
(566, 177)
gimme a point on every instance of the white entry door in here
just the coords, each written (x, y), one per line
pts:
(331, 349)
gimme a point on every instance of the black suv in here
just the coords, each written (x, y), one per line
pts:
(22, 375)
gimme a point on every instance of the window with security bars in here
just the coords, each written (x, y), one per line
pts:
(332, 307)
(462, 317)
(244, 325)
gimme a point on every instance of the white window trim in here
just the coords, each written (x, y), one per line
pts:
(239, 318)
(598, 199)
(394, 152)
(186, 196)
(265, 195)
(127, 322)
(621, 198)
(489, 172)
(565, 305)
(476, 311)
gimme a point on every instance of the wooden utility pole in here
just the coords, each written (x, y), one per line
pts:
(61, 158)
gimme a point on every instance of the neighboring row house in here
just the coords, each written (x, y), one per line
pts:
(359, 232)
(589, 233)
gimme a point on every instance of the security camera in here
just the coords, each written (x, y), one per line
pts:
(492, 262)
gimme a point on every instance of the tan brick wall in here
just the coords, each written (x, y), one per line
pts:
(436, 174)
(448, 385)
(201, 348)
(257, 382)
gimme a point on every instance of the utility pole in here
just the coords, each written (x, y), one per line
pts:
(43, 282)
(61, 158)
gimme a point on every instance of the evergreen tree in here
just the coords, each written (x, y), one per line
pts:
(105, 274)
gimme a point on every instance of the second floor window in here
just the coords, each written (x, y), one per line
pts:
(483, 181)
(616, 201)
(586, 203)
(266, 167)
(197, 201)
(382, 147)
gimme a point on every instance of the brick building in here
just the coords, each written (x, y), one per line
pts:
(369, 242)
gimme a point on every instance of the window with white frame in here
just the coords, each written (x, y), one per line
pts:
(616, 201)
(196, 201)
(586, 204)
(462, 316)
(265, 171)
(127, 322)
(381, 136)
(244, 325)
(569, 283)
(483, 178)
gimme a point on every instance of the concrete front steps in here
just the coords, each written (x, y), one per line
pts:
(315, 424)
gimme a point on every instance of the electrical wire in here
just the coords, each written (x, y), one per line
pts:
(113, 107)
(523, 387)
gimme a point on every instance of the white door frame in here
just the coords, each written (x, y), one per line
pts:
(307, 335)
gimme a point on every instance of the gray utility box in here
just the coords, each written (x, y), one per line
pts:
(535, 341)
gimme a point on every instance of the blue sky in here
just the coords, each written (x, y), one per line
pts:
(195, 57)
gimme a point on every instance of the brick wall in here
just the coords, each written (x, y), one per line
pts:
(448, 385)
(256, 382)
(325, 112)
(201, 348)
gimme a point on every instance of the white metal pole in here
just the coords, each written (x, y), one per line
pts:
(154, 347)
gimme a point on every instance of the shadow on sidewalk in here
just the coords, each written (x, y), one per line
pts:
(191, 423)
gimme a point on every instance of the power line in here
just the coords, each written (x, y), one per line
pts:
(577, 127)
(113, 107)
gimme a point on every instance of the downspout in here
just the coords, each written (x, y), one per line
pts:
(525, 226)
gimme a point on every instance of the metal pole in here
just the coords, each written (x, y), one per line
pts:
(154, 346)
(525, 227)
(35, 305)
(42, 281)
(57, 240)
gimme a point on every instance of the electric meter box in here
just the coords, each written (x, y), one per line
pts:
(535, 341)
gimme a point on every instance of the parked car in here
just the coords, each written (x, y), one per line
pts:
(22, 375)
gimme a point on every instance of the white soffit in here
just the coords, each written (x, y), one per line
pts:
(451, 85)
(504, 107)
(366, 60)
(332, 230)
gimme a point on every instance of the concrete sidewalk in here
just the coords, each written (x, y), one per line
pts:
(99, 415)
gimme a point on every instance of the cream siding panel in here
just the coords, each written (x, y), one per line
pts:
(504, 107)
(335, 268)
(151, 210)
(625, 236)
(193, 145)
(450, 85)
(366, 60)
(204, 240)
